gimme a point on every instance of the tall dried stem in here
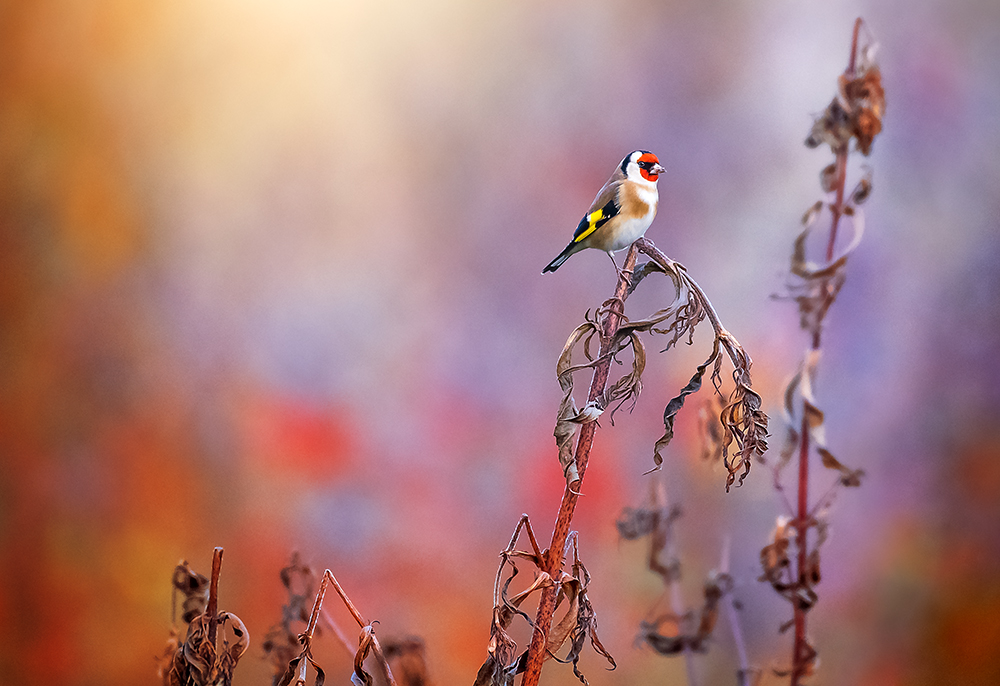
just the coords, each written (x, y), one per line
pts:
(552, 558)
(855, 114)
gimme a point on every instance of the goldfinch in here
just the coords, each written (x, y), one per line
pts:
(621, 212)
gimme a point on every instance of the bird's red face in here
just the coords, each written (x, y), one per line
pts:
(649, 166)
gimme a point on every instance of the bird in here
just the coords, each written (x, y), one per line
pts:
(622, 211)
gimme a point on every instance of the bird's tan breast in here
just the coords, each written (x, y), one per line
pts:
(637, 202)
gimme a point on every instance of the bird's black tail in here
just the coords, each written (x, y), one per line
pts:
(563, 256)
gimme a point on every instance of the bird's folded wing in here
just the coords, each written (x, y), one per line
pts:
(604, 208)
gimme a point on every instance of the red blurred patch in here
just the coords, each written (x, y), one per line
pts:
(298, 437)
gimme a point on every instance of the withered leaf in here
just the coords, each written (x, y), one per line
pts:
(568, 416)
(365, 643)
(863, 190)
(828, 177)
(636, 522)
(675, 405)
(585, 618)
(193, 586)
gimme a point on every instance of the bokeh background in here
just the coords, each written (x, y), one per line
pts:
(269, 279)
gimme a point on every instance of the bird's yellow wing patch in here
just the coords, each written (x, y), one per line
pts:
(593, 220)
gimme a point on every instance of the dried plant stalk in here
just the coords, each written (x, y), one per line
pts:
(200, 660)
(855, 114)
(296, 672)
(674, 630)
(744, 423)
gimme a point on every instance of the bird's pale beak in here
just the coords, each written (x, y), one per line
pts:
(657, 169)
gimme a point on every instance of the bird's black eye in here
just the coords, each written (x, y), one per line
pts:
(645, 165)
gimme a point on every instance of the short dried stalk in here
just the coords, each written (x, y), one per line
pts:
(383, 663)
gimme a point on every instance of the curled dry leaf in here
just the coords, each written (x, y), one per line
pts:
(675, 405)
(742, 418)
(777, 566)
(193, 586)
(814, 286)
(569, 416)
(297, 672)
(863, 190)
(208, 656)
(366, 641)
(197, 662)
(774, 556)
(584, 623)
(802, 382)
(857, 110)
(500, 666)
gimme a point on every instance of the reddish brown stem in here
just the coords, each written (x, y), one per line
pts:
(553, 558)
(800, 649)
(317, 607)
(212, 607)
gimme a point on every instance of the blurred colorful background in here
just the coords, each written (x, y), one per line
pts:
(269, 280)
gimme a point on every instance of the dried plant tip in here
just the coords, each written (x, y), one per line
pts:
(857, 110)
(568, 417)
(281, 644)
(848, 477)
(867, 102)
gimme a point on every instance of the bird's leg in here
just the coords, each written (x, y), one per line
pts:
(618, 271)
(621, 275)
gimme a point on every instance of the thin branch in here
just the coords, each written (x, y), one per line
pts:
(376, 647)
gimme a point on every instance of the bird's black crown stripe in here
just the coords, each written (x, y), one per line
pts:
(629, 156)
